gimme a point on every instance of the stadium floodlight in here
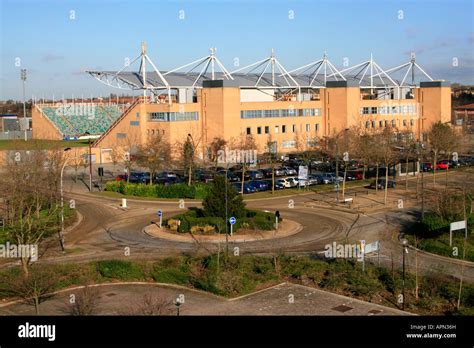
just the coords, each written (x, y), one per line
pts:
(25, 122)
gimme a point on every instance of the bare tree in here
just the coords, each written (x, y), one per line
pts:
(244, 144)
(30, 189)
(441, 138)
(217, 145)
(84, 302)
(149, 304)
(271, 157)
(154, 153)
(386, 142)
(34, 289)
(408, 145)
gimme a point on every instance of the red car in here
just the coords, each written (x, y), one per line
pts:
(442, 165)
(121, 177)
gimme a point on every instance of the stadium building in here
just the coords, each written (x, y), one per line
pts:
(289, 108)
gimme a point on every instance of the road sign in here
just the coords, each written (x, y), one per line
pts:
(454, 226)
(160, 215)
(372, 247)
(232, 220)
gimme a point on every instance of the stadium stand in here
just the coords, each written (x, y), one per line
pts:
(70, 122)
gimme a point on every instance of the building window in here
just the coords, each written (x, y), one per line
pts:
(367, 124)
(174, 116)
(412, 122)
(404, 123)
(380, 124)
(373, 124)
(365, 110)
(277, 129)
(134, 123)
(293, 128)
(249, 131)
(138, 115)
(283, 129)
(373, 110)
(267, 130)
(308, 128)
(288, 144)
(121, 135)
(259, 130)
(394, 123)
(386, 123)
(316, 127)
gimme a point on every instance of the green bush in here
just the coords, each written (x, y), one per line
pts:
(195, 191)
(118, 269)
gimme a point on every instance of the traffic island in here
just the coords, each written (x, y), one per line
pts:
(285, 228)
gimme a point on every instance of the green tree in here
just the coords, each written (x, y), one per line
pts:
(223, 200)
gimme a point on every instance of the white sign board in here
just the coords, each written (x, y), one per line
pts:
(458, 225)
(372, 247)
(454, 226)
(302, 173)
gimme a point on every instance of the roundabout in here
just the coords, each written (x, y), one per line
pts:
(286, 228)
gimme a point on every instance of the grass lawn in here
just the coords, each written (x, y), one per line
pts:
(39, 144)
(440, 245)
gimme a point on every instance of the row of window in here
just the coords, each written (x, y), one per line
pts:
(283, 128)
(385, 123)
(387, 110)
(279, 113)
(174, 116)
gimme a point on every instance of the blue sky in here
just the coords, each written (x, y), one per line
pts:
(57, 49)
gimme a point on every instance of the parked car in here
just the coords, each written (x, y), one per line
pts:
(239, 175)
(267, 172)
(426, 167)
(121, 177)
(139, 177)
(293, 181)
(255, 174)
(354, 175)
(248, 188)
(381, 184)
(290, 171)
(442, 165)
(231, 176)
(285, 182)
(260, 185)
(313, 180)
(280, 184)
(333, 177)
(166, 174)
(280, 171)
(323, 178)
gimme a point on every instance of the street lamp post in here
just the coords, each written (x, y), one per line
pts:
(404, 251)
(177, 303)
(90, 161)
(190, 164)
(61, 233)
(23, 78)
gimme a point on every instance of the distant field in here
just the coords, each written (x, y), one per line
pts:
(40, 144)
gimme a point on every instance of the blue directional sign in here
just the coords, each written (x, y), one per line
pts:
(159, 213)
(232, 220)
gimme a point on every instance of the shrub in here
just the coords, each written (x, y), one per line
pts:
(198, 190)
(118, 269)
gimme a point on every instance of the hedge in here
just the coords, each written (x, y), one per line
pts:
(195, 191)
